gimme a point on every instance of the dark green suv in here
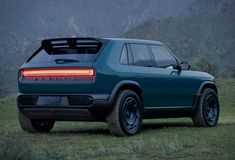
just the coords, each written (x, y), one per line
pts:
(120, 81)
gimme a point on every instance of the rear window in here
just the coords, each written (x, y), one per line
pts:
(141, 55)
(77, 51)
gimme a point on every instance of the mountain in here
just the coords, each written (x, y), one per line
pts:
(189, 27)
(23, 24)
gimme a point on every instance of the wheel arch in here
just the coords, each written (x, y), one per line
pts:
(126, 84)
(207, 85)
(203, 86)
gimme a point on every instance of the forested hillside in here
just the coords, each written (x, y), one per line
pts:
(24, 23)
(205, 38)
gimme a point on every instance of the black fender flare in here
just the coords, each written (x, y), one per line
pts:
(124, 84)
(205, 84)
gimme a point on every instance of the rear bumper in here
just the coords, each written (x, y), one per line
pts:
(71, 107)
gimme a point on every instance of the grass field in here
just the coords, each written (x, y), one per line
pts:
(160, 139)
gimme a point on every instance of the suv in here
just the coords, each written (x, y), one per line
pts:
(118, 81)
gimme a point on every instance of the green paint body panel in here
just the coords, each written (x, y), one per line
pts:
(159, 86)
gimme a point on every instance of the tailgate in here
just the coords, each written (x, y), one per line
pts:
(61, 66)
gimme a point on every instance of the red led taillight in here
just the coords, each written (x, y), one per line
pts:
(58, 73)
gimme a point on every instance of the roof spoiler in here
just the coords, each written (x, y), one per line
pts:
(65, 43)
(72, 43)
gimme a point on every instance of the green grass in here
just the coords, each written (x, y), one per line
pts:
(160, 139)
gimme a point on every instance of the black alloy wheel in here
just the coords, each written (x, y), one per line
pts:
(126, 116)
(207, 110)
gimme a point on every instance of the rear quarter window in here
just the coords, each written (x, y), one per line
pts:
(124, 56)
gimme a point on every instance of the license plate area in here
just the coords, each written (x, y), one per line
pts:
(55, 100)
(49, 101)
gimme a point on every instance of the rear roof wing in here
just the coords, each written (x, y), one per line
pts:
(73, 43)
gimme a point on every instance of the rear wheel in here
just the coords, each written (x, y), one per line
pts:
(207, 111)
(126, 117)
(33, 126)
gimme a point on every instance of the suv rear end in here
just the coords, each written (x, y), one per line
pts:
(60, 80)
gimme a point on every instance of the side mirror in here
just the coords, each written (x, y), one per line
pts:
(185, 65)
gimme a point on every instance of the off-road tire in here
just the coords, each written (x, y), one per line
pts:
(207, 110)
(34, 126)
(127, 112)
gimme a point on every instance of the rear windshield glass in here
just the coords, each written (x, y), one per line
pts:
(68, 50)
(87, 55)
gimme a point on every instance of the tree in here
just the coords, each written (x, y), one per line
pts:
(205, 63)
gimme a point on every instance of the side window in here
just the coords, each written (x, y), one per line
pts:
(140, 54)
(124, 57)
(163, 57)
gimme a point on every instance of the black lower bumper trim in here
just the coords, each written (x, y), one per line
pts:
(63, 107)
(50, 100)
(68, 114)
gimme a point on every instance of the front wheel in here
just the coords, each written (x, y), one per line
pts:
(34, 126)
(126, 117)
(207, 111)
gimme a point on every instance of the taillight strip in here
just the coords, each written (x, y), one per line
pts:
(57, 72)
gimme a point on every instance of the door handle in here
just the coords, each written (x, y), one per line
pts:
(175, 73)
